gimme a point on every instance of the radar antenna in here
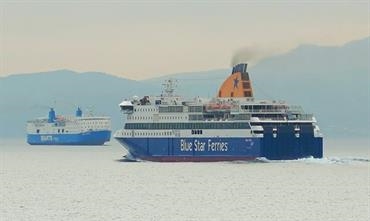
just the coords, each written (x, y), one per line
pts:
(169, 87)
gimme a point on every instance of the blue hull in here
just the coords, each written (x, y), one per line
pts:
(287, 146)
(88, 138)
(222, 149)
(193, 149)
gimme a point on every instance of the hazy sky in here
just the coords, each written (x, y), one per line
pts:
(142, 39)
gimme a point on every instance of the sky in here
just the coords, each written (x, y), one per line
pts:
(144, 39)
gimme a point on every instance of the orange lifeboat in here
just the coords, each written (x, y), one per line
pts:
(218, 106)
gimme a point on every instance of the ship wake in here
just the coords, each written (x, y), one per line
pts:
(324, 160)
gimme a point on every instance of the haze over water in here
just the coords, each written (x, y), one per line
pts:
(92, 183)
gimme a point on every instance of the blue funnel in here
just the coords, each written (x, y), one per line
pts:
(51, 116)
(78, 112)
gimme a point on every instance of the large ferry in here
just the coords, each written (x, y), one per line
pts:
(69, 130)
(231, 126)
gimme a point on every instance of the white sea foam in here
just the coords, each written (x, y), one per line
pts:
(324, 160)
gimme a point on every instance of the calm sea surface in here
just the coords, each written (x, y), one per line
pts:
(91, 183)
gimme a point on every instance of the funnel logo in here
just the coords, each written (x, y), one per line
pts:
(236, 81)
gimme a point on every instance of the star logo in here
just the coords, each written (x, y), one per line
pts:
(236, 81)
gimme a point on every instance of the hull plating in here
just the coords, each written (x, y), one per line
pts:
(88, 138)
(283, 147)
(192, 149)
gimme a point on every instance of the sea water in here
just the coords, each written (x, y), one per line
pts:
(92, 183)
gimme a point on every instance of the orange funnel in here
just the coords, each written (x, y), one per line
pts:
(237, 84)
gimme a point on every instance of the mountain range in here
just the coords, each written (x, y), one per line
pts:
(331, 82)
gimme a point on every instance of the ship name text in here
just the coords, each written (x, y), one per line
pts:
(198, 146)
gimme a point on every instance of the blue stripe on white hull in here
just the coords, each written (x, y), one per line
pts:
(87, 138)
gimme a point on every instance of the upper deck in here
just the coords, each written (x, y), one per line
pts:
(235, 102)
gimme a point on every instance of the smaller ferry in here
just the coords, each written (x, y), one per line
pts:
(69, 130)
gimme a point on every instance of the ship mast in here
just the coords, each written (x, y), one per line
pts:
(169, 87)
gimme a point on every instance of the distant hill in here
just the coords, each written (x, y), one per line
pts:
(331, 82)
(26, 96)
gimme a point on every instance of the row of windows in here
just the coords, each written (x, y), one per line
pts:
(160, 117)
(94, 123)
(195, 108)
(171, 109)
(223, 117)
(59, 131)
(196, 117)
(191, 117)
(203, 125)
(89, 128)
(145, 109)
(196, 131)
(163, 133)
(265, 108)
